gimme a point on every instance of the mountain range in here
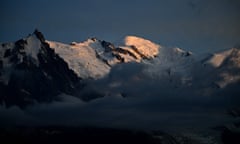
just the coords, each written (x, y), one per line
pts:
(34, 69)
(133, 83)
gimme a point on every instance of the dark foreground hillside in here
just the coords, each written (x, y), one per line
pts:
(45, 135)
(77, 135)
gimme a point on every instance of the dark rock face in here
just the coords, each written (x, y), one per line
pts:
(188, 54)
(39, 35)
(30, 82)
(108, 46)
(7, 53)
(120, 50)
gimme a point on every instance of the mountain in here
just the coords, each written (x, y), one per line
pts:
(226, 65)
(33, 69)
(36, 70)
(94, 58)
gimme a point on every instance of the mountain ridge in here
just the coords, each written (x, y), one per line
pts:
(32, 65)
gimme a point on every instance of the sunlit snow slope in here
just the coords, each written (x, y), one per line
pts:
(94, 58)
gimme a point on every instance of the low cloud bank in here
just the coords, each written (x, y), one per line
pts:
(129, 97)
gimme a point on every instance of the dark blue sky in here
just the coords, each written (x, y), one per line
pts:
(196, 25)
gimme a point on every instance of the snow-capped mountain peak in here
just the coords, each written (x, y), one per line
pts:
(94, 58)
(23, 51)
(145, 47)
(28, 46)
(30, 70)
(226, 65)
(217, 59)
(82, 58)
(33, 46)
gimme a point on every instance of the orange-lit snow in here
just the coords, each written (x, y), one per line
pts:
(145, 47)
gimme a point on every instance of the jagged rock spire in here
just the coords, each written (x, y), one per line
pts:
(39, 35)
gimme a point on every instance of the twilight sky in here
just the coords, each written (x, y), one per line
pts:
(197, 25)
